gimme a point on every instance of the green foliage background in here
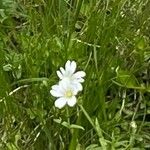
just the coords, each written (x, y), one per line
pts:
(109, 40)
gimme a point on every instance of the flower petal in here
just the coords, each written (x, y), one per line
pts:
(56, 93)
(78, 87)
(79, 74)
(67, 65)
(73, 66)
(81, 80)
(59, 74)
(62, 70)
(72, 101)
(58, 89)
(55, 87)
(64, 84)
(60, 102)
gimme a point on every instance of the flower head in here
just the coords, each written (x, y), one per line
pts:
(68, 86)
(65, 93)
(69, 74)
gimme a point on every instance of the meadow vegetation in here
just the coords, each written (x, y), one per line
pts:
(109, 40)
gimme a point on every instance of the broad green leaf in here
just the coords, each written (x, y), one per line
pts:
(126, 79)
(141, 43)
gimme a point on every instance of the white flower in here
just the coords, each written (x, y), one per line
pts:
(68, 86)
(65, 93)
(69, 74)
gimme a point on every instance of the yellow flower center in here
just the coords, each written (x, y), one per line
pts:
(68, 94)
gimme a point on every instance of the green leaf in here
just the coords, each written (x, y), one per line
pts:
(141, 44)
(31, 80)
(66, 124)
(74, 126)
(7, 67)
(126, 79)
(63, 123)
(94, 147)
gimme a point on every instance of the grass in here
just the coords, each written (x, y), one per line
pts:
(109, 40)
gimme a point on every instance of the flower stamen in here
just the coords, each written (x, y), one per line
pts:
(68, 94)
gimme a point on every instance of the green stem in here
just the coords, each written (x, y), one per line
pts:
(96, 127)
(87, 116)
(73, 142)
(72, 27)
(68, 115)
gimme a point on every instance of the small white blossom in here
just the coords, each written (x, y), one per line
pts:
(65, 93)
(68, 86)
(69, 74)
